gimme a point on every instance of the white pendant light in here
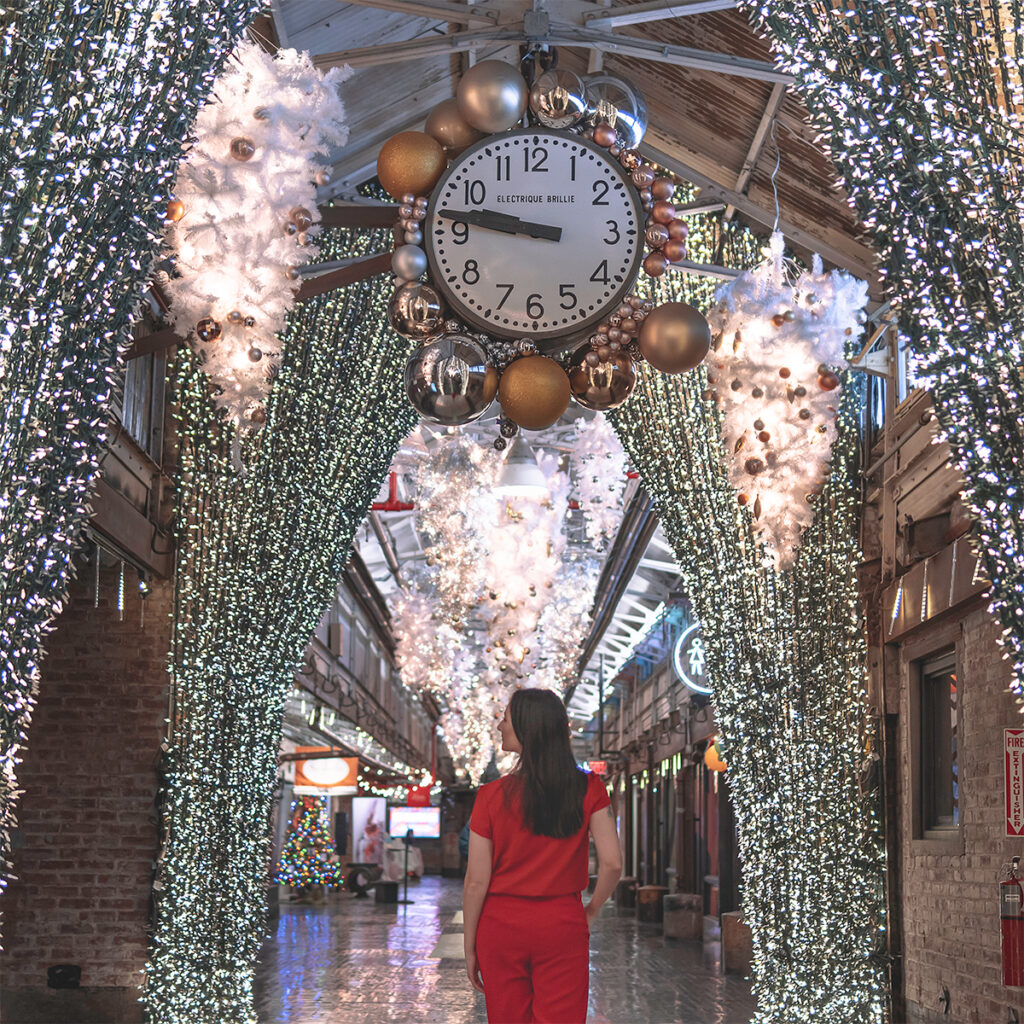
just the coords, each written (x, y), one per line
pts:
(520, 476)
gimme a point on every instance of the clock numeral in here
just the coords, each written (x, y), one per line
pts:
(460, 232)
(504, 167)
(600, 190)
(509, 288)
(535, 160)
(476, 193)
(600, 274)
(613, 227)
(565, 291)
(572, 168)
(534, 309)
(471, 272)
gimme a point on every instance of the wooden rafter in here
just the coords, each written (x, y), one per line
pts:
(760, 137)
(459, 14)
(636, 14)
(358, 270)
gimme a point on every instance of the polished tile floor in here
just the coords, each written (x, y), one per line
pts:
(352, 961)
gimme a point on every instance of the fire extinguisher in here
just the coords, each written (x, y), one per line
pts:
(1011, 918)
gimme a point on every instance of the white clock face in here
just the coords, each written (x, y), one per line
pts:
(534, 234)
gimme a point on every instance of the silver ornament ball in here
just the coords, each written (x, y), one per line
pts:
(409, 262)
(558, 98)
(491, 96)
(451, 380)
(615, 101)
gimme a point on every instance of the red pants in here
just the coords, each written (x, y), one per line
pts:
(534, 958)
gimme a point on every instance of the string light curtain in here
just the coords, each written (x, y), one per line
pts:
(259, 557)
(787, 655)
(96, 101)
(919, 106)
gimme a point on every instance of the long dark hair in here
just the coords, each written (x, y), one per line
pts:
(551, 787)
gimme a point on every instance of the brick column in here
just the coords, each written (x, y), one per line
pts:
(87, 839)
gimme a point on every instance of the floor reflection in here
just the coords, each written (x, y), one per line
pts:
(351, 961)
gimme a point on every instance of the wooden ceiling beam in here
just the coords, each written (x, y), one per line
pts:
(804, 239)
(377, 216)
(760, 137)
(456, 13)
(637, 14)
(413, 49)
(357, 270)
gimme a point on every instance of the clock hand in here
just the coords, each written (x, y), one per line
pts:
(503, 222)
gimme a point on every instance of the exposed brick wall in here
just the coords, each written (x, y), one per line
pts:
(950, 907)
(87, 836)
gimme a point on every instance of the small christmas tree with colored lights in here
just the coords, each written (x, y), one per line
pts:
(307, 857)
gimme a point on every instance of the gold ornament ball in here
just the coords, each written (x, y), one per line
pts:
(492, 96)
(533, 392)
(410, 162)
(675, 337)
(447, 126)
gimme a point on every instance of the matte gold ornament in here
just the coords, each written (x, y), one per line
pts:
(534, 392)
(410, 162)
(491, 97)
(604, 386)
(674, 337)
(450, 129)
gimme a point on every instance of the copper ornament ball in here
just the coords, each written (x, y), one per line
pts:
(416, 310)
(674, 251)
(410, 162)
(242, 148)
(674, 337)
(534, 392)
(208, 329)
(655, 264)
(605, 385)
(450, 129)
(301, 218)
(175, 210)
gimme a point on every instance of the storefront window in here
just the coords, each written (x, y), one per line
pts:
(939, 771)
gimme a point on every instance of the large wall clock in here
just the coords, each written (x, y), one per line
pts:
(534, 233)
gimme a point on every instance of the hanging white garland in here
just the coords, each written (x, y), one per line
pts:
(780, 334)
(243, 212)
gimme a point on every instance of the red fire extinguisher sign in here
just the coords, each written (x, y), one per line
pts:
(1013, 751)
(1011, 920)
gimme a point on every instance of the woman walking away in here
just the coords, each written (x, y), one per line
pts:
(527, 933)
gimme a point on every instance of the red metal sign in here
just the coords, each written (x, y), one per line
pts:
(419, 796)
(1013, 748)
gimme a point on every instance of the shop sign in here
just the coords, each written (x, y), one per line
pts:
(324, 775)
(690, 661)
(419, 796)
(597, 767)
(1013, 749)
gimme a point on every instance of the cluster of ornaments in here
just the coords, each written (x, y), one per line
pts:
(456, 372)
(778, 338)
(242, 215)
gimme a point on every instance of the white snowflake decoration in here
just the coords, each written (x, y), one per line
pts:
(234, 249)
(779, 339)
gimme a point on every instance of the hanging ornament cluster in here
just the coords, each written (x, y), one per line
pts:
(456, 372)
(780, 335)
(503, 597)
(243, 212)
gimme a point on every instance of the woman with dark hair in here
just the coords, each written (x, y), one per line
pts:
(527, 933)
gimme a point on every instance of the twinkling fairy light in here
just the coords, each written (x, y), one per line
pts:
(97, 101)
(259, 557)
(786, 654)
(919, 106)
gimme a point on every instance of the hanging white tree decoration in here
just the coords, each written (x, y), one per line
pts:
(779, 335)
(243, 213)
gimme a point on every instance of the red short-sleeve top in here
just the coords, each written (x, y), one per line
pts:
(523, 863)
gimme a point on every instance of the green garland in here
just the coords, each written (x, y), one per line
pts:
(96, 100)
(259, 558)
(919, 103)
(786, 653)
